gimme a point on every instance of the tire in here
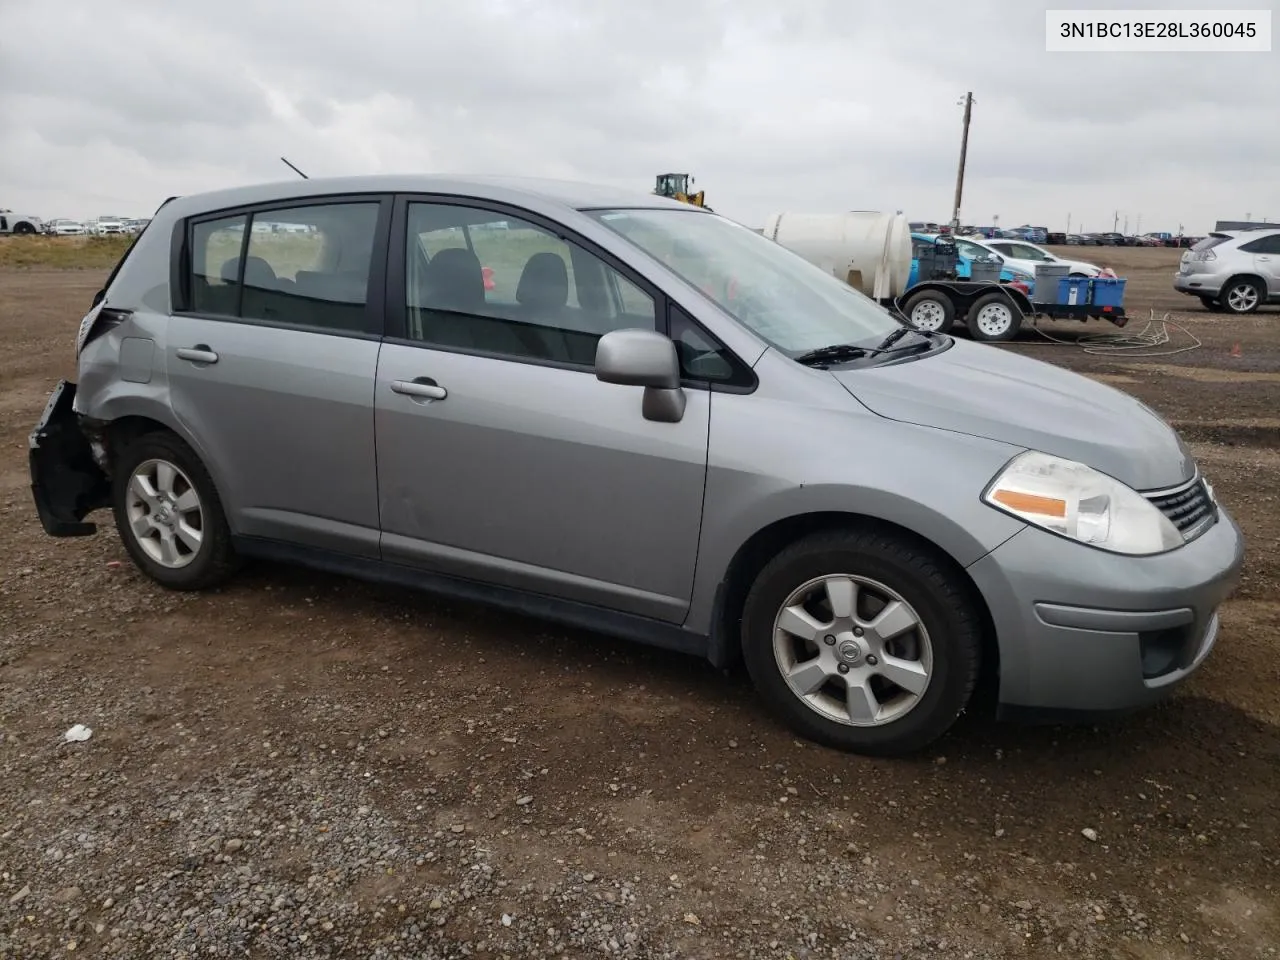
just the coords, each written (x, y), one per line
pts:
(24, 229)
(944, 643)
(985, 321)
(1212, 305)
(1242, 295)
(936, 311)
(205, 563)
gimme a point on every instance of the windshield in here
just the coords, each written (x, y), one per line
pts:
(786, 300)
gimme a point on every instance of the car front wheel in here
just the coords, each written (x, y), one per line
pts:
(169, 516)
(862, 640)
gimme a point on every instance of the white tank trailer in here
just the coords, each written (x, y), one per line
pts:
(869, 250)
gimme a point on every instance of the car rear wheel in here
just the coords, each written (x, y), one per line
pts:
(993, 317)
(862, 641)
(1212, 304)
(1242, 295)
(930, 310)
(169, 516)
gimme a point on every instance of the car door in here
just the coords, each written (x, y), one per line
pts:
(501, 457)
(271, 356)
(1266, 261)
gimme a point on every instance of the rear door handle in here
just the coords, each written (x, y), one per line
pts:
(200, 353)
(420, 388)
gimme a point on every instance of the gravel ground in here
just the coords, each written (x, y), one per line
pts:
(304, 766)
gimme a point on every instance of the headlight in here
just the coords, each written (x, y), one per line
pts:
(1076, 501)
(1022, 277)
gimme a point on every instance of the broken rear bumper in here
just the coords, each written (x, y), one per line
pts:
(66, 480)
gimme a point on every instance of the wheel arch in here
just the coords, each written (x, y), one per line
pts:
(765, 543)
(1260, 280)
(121, 423)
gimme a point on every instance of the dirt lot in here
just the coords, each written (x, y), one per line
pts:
(302, 766)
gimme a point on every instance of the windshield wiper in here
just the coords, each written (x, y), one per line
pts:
(835, 352)
(894, 337)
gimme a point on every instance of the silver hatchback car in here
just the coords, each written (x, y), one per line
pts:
(634, 415)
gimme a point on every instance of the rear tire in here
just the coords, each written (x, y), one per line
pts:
(24, 229)
(993, 318)
(1242, 295)
(169, 516)
(1212, 305)
(931, 641)
(930, 310)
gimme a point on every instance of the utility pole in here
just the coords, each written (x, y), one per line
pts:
(964, 150)
(1115, 222)
(1068, 223)
(1126, 224)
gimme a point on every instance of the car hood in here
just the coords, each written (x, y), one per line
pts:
(985, 391)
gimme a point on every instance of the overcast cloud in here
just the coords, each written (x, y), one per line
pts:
(109, 107)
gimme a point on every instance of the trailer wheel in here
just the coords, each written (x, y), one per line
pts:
(992, 318)
(930, 310)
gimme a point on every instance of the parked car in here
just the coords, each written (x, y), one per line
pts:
(1055, 239)
(1078, 240)
(19, 224)
(108, 225)
(1024, 255)
(63, 227)
(659, 424)
(1232, 271)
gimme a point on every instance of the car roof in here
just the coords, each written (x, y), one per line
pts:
(502, 189)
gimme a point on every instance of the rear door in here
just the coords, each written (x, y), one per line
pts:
(271, 359)
(1266, 261)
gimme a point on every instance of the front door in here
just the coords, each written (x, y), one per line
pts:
(271, 366)
(501, 458)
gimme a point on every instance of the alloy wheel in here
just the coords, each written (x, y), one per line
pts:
(853, 650)
(165, 515)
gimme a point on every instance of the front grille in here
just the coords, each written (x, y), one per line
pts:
(1189, 507)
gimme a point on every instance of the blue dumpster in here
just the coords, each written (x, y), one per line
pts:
(1107, 291)
(1073, 291)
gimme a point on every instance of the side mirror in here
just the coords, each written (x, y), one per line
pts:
(644, 358)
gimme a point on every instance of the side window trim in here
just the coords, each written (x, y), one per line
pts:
(395, 323)
(742, 370)
(182, 265)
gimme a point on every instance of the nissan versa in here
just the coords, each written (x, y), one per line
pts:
(637, 416)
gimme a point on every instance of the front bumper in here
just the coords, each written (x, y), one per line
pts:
(1085, 631)
(66, 480)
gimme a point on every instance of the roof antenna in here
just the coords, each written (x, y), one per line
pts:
(295, 169)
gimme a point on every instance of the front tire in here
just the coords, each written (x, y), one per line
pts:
(862, 640)
(169, 516)
(930, 310)
(1212, 305)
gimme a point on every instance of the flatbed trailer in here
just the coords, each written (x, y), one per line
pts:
(990, 311)
(1081, 312)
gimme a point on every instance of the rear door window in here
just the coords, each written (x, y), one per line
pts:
(305, 266)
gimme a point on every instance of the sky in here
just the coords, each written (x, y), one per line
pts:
(815, 106)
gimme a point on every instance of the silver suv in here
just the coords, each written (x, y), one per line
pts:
(633, 415)
(1232, 271)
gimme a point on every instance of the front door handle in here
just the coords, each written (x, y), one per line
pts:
(420, 388)
(200, 353)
